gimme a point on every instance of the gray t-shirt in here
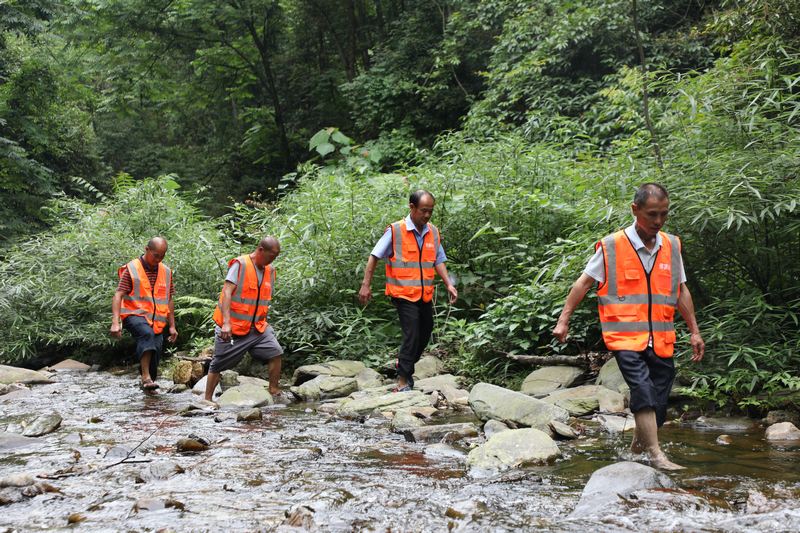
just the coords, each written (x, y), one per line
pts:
(596, 266)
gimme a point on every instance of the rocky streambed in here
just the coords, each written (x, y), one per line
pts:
(89, 450)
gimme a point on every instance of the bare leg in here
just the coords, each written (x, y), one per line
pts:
(647, 439)
(274, 366)
(212, 381)
(144, 364)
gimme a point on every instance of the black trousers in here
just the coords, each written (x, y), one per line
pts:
(650, 379)
(146, 341)
(416, 320)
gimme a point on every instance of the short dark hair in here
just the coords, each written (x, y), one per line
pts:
(649, 190)
(417, 195)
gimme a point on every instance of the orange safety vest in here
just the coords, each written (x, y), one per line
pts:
(409, 271)
(634, 304)
(144, 301)
(250, 300)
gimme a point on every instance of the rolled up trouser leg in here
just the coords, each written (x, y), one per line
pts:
(650, 379)
(146, 341)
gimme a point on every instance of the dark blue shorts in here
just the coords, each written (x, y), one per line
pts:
(650, 379)
(146, 340)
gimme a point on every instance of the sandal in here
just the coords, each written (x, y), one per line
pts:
(149, 384)
(405, 388)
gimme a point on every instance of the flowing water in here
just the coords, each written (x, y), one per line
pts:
(351, 475)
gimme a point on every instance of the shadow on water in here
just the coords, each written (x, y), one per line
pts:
(352, 475)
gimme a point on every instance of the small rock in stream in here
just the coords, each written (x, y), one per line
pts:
(724, 440)
(75, 518)
(159, 471)
(249, 415)
(191, 445)
(42, 425)
(563, 430)
(154, 504)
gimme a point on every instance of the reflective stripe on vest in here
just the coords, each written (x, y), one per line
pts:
(250, 300)
(633, 304)
(152, 304)
(410, 270)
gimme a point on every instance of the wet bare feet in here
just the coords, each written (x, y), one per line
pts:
(275, 391)
(659, 460)
(636, 446)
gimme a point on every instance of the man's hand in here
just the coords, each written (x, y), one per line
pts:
(225, 331)
(560, 332)
(453, 292)
(173, 335)
(365, 294)
(116, 330)
(698, 347)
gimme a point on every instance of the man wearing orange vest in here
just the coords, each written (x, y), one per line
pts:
(241, 316)
(641, 281)
(143, 300)
(413, 251)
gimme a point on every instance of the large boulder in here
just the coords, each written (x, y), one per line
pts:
(509, 449)
(578, 401)
(70, 365)
(619, 480)
(390, 402)
(323, 387)
(10, 441)
(245, 396)
(182, 373)
(783, 431)
(13, 374)
(548, 379)
(490, 402)
(493, 427)
(348, 369)
(610, 377)
(437, 383)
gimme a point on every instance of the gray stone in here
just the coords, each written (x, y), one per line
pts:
(456, 398)
(12, 374)
(563, 430)
(733, 423)
(611, 482)
(228, 379)
(70, 365)
(404, 420)
(510, 449)
(249, 415)
(368, 379)
(200, 387)
(616, 424)
(773, 417)
(250, 380)
(428, 366)
(391, 402)
(611, 378)
(493, 427)
(245, 396)
(323, 387)
(493, 402)
(42, 425)
(441, 432)
(782, 431)
(578, 401)
(610, 401)
(548, 379)
(159, 471)
(441, 450)
(177, 388)
(9, 441)
(437, 383)
(344, 368)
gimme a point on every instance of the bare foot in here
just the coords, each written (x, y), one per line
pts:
(659, 460)
(274, 391)
(636, 446)
(208, 403)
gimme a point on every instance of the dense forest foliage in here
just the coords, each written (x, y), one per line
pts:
(216, 122)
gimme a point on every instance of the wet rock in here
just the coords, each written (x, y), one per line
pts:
(774, 417)
(441, 450)
(349, 369)
(12, 374)
(249, 415)
(200, 387)
(724, 440)
(611, 378)
(191, 445)
(323, 387)
(733, 423)
(198, 371)
(441, 432)
(300, 516)
(159, 471)
(368, 379)
(75, 518)
(757, 502)
(250, 380)
(548, 379)
(178, 388)
(117, 452)
(782, 431)
(404, 420)
(616, 424)
(610, 401)
(11, 440)
(228, 379)
(563, 430)
(70, 365)
(510, 449)
(456, 398)
(493, 402)
(578, 401)
(17, 480)
(182, 373)
(611, 482)
(157, 504)
(437, 383)
(245, 396)
(492, 427)
(393, 401)
(42, 425)
(428, 366)
(515, 477)
(4, 388)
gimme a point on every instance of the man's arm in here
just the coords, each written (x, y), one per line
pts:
(441, 269)
(365, 293)
(686, 309)
(574, 298)
(116, 305)
(225, 306)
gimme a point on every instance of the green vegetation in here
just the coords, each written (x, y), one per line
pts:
(527, 120)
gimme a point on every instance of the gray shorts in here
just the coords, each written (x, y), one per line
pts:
(227, 354)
